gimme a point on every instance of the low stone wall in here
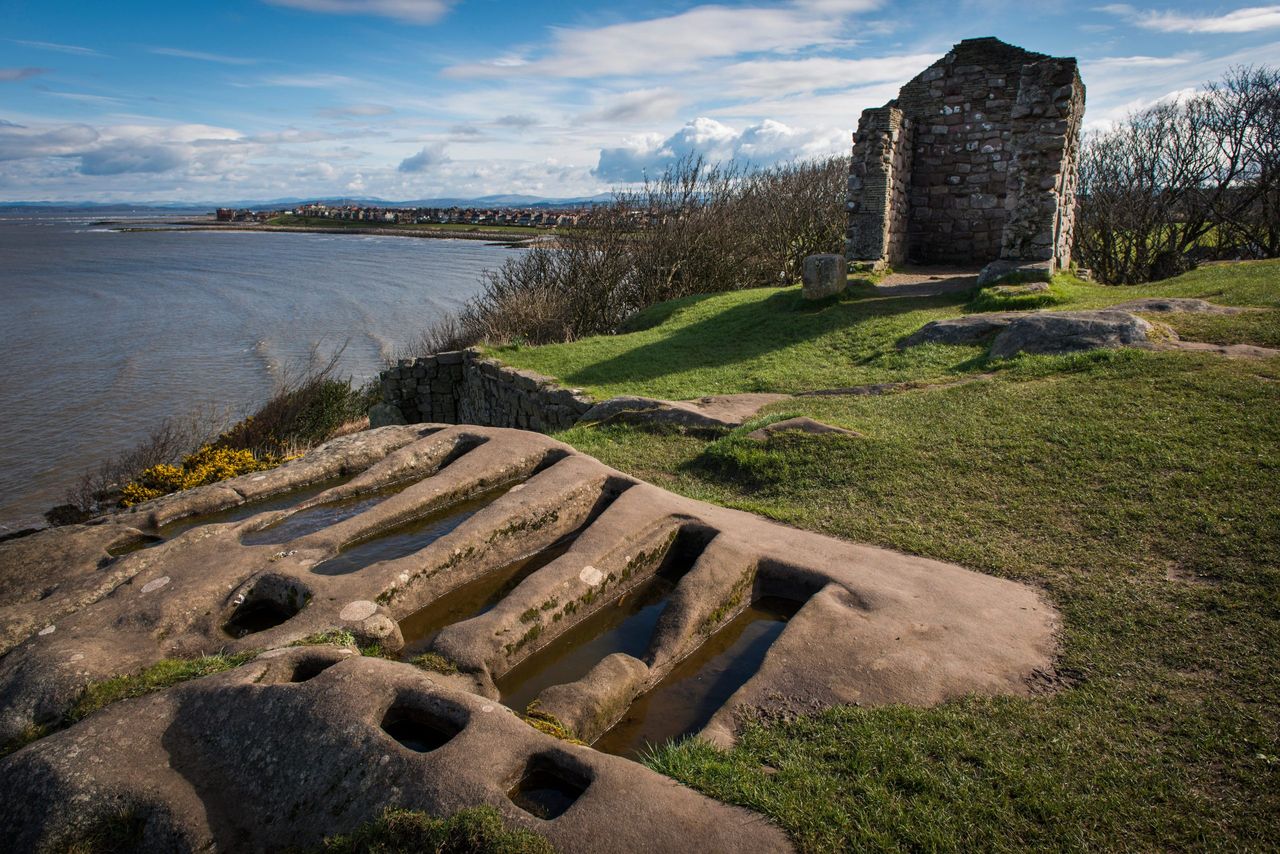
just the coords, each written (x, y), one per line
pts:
(462, 387)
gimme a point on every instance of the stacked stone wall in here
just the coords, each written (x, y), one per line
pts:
(987, 164)
(879, 177)
(462, 387)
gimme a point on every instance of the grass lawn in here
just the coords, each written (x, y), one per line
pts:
(769, 339)
(1140, 490)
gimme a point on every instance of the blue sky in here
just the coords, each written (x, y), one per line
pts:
(210, 101)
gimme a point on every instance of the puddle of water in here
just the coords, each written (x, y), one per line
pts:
(684, 702)
(137, 544)
(625, 625)
(406, 538)
(280, 501)
(315, 518)
(472, 599)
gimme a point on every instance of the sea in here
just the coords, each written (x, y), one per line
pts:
(105, 333)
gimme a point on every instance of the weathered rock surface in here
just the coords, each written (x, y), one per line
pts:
(799, 425)
(281, 751)
(1041, 332)
(719, 411)
(385, 415)
(824, 276)
(1176, 304)
(969, 329)
(1047, 332)
(287, 749)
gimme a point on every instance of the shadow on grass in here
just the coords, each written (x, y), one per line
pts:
(751, 330)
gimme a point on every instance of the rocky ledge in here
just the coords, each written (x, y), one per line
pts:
(383, 539)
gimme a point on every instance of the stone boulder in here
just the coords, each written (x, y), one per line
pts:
(969, 329)
(1162, 305)
(1055, 332)
(1022, 271)
(385, 415)
(824, 276)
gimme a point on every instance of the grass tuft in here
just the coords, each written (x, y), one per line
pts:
(471, 831)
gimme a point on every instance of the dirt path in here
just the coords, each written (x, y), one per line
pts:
(927, 282)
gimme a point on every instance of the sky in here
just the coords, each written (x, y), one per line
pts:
(136, 101)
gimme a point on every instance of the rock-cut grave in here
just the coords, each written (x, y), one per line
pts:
(524, 577)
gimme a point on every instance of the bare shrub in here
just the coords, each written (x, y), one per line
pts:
(310, 405)
(697, 228)
(1182, 181)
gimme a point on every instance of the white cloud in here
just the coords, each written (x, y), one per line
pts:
(117, 158)
(425, 160)
(775, 78)
(640, 105)
(357, 111)
(1111, 63)
(202, 56)
(410, 11)
(1247, 20)
(10, 75)
(307, 81)
(762, 144)
(516, 120)
(677, 42)
(73, 49)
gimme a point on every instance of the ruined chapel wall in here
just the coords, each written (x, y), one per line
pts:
(959, 179)
(987, 170)
(1044, 171)
(879, 181)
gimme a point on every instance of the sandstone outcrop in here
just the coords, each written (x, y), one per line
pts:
(512, 544)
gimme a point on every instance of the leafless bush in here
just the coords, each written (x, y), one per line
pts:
(1196, 178)
(698, 228)
(310, 404)
(171, 440)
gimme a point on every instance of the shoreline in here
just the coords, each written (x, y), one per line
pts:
(503, 238)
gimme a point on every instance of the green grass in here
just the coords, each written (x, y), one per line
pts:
(471, 831)
(98, 695)
(769, 339)
(1138, 491)
(163, 674)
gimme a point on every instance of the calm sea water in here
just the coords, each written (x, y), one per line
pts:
(102, 333)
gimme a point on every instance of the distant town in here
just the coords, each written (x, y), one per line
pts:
(522, 217)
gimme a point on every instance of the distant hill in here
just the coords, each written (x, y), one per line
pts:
(509, 200)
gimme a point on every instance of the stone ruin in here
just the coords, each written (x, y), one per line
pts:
(974, 163)
(530, 578)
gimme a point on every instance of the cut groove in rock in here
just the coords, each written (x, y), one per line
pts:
(240, 512)
(683, 702)
(319, 516)
(420, 730)
(626, 626)
(479, 595)
(472, 599)
(547, 789)
(405, 538)
(311, 667)
(270, 602)
(136, 544)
